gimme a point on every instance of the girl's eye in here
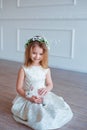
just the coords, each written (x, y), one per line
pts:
(34, 52)
(39, 54)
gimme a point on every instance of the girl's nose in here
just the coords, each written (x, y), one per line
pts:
(37, 56)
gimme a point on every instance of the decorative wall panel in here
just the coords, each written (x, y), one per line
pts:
(61, 41)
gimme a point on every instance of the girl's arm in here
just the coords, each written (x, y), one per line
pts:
(20, 81)
(49, 84)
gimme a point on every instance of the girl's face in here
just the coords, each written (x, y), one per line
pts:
(37, 55)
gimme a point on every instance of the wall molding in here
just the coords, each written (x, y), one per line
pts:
(73, 43)
(26, 3)
(45, 19)
(1, 39)
(1, 4)
(18, 40)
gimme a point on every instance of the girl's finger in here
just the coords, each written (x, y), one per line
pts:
(42, 91)
(37, 101)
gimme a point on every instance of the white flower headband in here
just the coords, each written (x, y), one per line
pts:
(38, 38)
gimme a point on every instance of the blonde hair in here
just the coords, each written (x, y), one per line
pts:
(28, 61)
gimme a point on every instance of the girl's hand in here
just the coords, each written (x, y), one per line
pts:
(43, 91)
(35, 99)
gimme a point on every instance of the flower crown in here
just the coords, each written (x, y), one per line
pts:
(39, 39)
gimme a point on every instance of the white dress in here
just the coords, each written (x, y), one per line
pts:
(53, 113)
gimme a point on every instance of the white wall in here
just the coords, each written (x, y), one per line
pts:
(62, 22)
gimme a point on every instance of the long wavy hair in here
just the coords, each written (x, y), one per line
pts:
(28, 50)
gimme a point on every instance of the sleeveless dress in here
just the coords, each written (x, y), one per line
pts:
(53, 113)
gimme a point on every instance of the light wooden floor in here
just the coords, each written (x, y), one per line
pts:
(72, 86)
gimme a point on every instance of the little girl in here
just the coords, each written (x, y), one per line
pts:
(35, 105)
